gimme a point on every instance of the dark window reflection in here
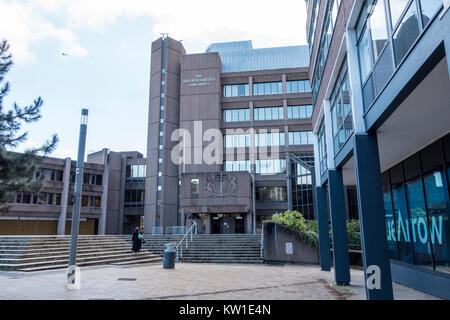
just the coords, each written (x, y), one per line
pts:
(406, 33)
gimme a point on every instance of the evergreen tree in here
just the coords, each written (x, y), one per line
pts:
(18, 170)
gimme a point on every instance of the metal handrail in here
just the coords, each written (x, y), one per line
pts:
(194, 224)
(262, 242)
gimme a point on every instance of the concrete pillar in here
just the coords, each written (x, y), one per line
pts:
(248, 223)
(371, 216)
(64, 197)
(102, 220)
(208, 224)
(123, 177)
(338, 227)
(183, 217)
(322, 219)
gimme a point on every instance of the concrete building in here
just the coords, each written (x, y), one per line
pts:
(380, 88)
(112, 197)
(223, 127)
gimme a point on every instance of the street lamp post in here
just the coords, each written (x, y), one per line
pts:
(73, 272)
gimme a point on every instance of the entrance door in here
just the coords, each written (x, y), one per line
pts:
(227, 225)
(239, 225)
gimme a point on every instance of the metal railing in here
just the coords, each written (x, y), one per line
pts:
(191, 230)
(176, 230)
(262, 242)
(157, 230)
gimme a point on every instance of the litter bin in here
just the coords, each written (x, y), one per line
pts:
(169, 256)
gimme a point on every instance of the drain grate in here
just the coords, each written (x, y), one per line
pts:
(127, 279)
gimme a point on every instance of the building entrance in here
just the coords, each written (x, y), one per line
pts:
(227, 224)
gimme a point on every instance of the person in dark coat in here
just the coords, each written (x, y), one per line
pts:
(137, 242)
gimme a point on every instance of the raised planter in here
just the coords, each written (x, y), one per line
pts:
(285, 245)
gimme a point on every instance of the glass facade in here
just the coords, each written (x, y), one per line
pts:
(271, 194)
(416, 202)
(136, 171)
(92, 179)
(341, 110)
(236, 90)
(269, 139)
(236, 141)
(300, 112)
(298, 138)
(383, 43)
(237, 165)
(236, 115)
(265, 88)
(302, 186)
(312, 29)
(298, 86)
(322, 146)
(270, 166)
(324, 45)
(42, 198)
(268, 113)
(134, 198)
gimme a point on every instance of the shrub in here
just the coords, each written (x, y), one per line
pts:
(353, 235)
(309, 230)
(294, 220)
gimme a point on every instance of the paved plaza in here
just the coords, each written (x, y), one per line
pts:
(192, 282)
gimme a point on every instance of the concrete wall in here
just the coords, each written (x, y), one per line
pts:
(275, 239)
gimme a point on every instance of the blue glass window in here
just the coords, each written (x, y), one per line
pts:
(322, 149)
(418, 223)
(236, 90)
(266, 88)
(268, 113)
(406, 33)
(297, 86)
(438, 211)
(297, 138)
(236, 115)
(429, 9)
(341, 111)
(420, 207)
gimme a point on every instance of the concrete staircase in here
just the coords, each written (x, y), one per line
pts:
(211, 248)
(35, 253)
(224, 248)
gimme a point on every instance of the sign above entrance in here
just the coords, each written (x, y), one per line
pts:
(199, 81)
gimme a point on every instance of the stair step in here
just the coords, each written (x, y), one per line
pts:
(36, 253)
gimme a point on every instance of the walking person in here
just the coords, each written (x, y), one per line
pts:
(137, 240)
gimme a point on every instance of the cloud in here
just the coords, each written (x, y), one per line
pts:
(24, 27)
(197, 22)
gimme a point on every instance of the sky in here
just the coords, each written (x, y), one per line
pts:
(107, 69)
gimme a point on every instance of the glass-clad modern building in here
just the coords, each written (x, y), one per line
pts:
(381, 122)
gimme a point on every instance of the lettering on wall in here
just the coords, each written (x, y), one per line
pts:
(373, 274)
(199, 81)
(419, 230)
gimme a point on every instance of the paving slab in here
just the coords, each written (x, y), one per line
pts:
(190, 281)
